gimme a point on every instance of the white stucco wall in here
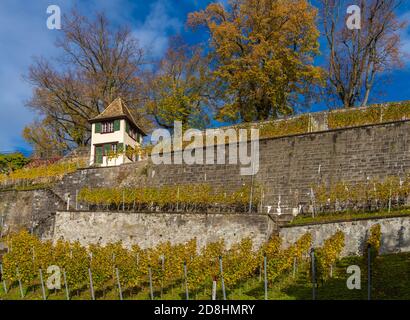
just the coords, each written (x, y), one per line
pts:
(120, 136)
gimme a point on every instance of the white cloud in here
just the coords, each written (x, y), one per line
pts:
(153, 33)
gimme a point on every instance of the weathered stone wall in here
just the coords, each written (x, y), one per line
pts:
(395, 234)
(288, 165)
(148, 230)
(31, 210)
(288, 168)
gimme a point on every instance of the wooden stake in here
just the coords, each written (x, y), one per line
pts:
(20, 285)
(4, 280)
(67, 293)
(265, 276)
(222, 277)
(186, 281)
(91, 284)
(43, 290)
(118, 282)
(150, 283)
(214, 290)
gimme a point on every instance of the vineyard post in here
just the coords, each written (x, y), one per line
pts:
(118, 282)
(222, 277)
(369, 272)
(177, 199)
(265, 276)
(186, 281)
(91, 284)
(312, 198)
(20, 285)
(67, 293)
(43, 290)
(251, 195)
(312, 258)
(123, 200)
(150, 283)
(4, 280)
(68, 202)
(214, 289)
(260, 273)
(163, 268)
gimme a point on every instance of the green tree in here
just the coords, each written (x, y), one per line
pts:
(11, 162)
(179, 89)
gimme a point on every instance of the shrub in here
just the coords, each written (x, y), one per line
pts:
(329, 253)
(374, 239)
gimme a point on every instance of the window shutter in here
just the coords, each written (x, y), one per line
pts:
(107, 149)
(98, 127)
(120, 147)
(117, 125)
(127, 127)
(98, 155)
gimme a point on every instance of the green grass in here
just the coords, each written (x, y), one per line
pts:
(391, 281)
(348, 216)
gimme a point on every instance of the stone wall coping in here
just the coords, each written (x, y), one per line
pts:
(345, 221)
(166, 213)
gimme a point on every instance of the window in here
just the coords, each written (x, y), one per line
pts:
(135, 135)
(107, 127)
(133, 132)
(107, 149)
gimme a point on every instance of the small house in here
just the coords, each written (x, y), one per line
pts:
(116, 137)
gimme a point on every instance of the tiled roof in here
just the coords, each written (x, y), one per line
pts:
(117, 109)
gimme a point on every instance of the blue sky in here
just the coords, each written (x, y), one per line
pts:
(24, 35)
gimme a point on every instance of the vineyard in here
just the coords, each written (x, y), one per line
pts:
(185, 198)
(50, 173)
(335, 119)
(152, 273)
(44, 174)
(301, 124)
(371, 195)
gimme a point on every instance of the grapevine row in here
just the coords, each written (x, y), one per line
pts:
(27, 254)
(193, 197)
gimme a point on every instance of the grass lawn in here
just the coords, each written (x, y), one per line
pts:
(391, 281)
(347, 216)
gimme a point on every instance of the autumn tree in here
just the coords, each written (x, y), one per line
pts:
(361, 53)
(46, 137)
(263, 53)
(98, 63)
(180, 87)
